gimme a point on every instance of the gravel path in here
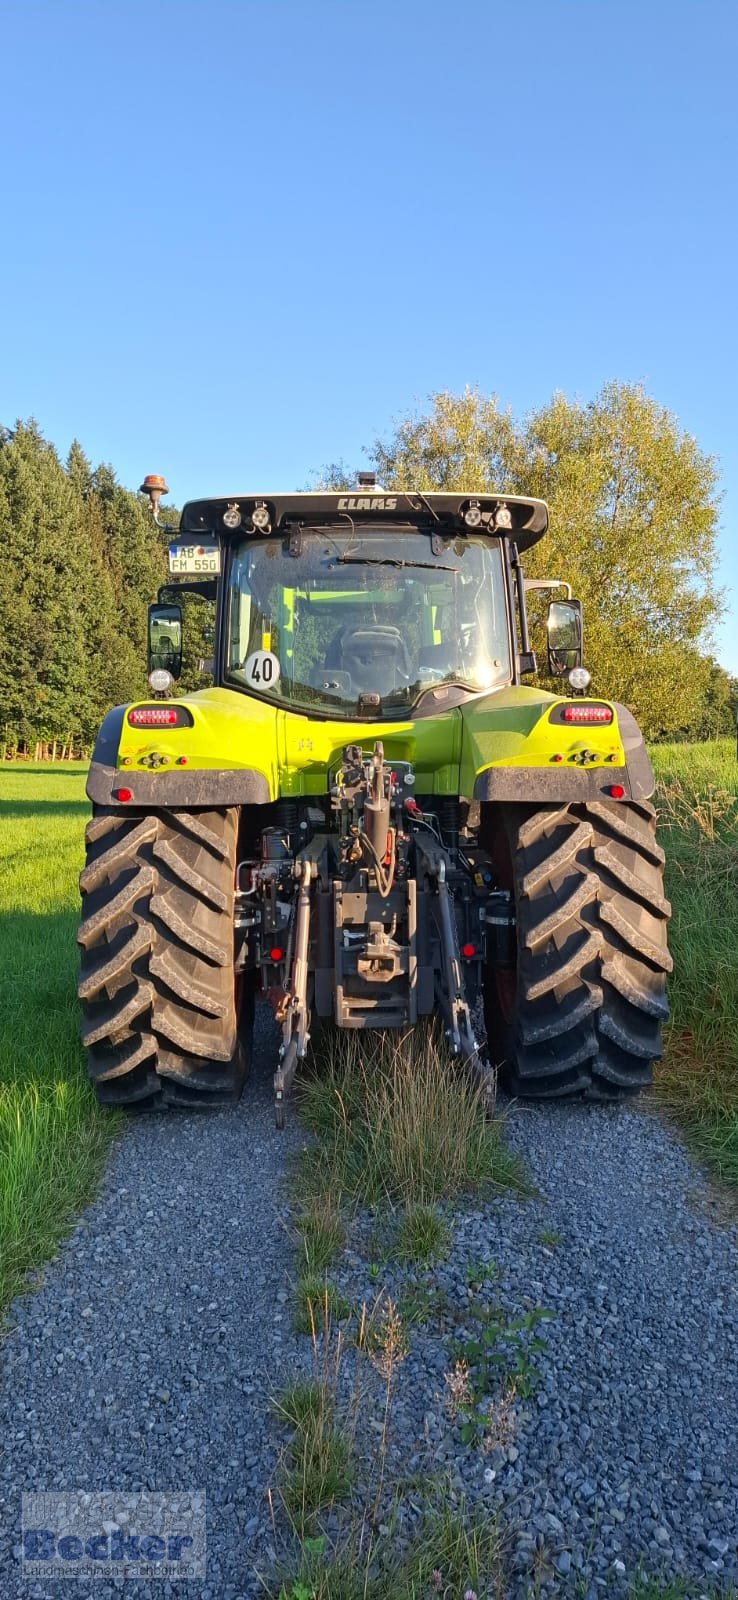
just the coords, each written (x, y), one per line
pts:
(627, 1452)
(146, 1357)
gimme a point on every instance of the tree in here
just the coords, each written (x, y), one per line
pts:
(633, 526)
(719, 710)
(135, 555)
(44, 584)
(81, 559)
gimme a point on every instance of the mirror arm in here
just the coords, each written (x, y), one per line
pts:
(527, 659)
(548, 583)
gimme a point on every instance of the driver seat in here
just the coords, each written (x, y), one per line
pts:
(376, 658)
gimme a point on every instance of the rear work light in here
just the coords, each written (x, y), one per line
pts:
(159, 717)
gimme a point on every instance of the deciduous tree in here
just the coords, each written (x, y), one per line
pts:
(633, 507)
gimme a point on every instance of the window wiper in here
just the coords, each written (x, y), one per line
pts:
(395, 561)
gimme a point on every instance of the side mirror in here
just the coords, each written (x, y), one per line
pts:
(165, 639)
(564, 624)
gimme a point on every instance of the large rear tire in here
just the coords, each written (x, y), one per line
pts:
(581, 1010)
(157, 985)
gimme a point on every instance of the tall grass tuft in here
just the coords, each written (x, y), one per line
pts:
(398, 1123)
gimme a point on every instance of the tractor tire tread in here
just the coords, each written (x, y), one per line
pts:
(116, 960)
(157, 977)
(592, 956)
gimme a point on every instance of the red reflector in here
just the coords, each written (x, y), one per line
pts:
(153, 717)
(181, 761)
(276, 954)
(557, 758)
(468, 950)
(617, 791)
(587, 714)
(123, 794)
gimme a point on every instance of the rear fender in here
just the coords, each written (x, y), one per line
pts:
(545, 760)
(227, 756)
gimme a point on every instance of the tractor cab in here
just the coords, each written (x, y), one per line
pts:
(360, 605)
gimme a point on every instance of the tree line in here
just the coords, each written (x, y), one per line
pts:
(633, 527)
(80, 560)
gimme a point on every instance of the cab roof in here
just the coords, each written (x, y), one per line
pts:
(512, 516)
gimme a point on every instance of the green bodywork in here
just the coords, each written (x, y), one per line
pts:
(455, 752)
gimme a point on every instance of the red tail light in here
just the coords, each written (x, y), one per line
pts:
(468, 950)
(153, 717)
(123, 794)
(276, 954)
(587, 714)
(617, 791)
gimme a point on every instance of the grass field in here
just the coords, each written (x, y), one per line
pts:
(52, 1137)
(698, 809)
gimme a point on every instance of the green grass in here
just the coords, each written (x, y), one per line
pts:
(317, 1468)
(318, 1303)
(316, 1463)
(300, 1403)
(452, 1550)
(397, 1124)
(53, 1139)
(321, 1234)
(647, 1587)
(421, 1235)
(698, 824)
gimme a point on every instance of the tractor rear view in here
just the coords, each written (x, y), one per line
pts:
(368, 816)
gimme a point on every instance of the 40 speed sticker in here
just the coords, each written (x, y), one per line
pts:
(262, 669)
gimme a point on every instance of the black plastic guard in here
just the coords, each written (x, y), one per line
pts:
(534, 784)
(205, 788)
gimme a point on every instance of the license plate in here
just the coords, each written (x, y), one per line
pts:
(194, 558)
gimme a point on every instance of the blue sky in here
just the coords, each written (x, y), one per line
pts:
(240, 239)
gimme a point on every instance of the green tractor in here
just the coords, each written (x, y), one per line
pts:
(369, 817)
